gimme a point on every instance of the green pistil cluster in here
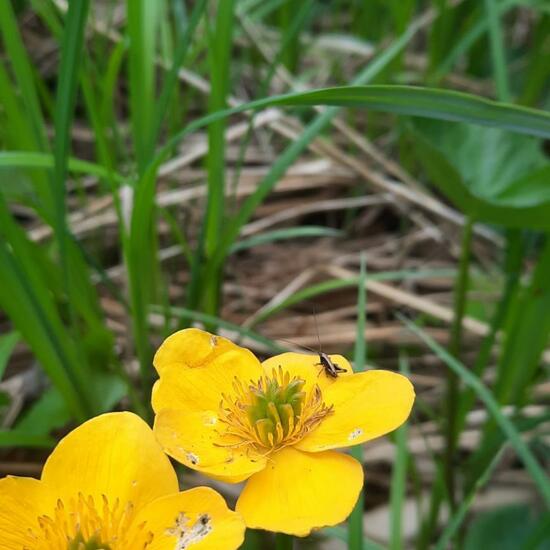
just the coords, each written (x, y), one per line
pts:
(91, 544)
(275, 409)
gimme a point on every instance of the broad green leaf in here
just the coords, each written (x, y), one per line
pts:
(16, 438)
(47, 413)
(490, 174)
(506, 528)
(50, 412)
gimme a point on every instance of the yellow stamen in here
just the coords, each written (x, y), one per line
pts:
(270, 413)
(84, 524)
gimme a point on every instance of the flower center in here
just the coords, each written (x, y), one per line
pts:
(92, 544)
(271, 413)
(83, 524)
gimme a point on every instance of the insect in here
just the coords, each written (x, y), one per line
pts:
(331, 369)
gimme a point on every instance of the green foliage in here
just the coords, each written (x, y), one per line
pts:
(505, 528)
(50, 412)
(491, 175)
(488, 399)
(7, 343)
(355, 531)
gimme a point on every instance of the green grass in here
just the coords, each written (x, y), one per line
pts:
(505, 424)
(399, 475)
(355, 529)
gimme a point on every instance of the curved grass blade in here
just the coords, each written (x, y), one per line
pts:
(454, 523)
(215, 320)
(405, 100)
(30, 159)
(284, 234)
(341, 533)
(336, 284)
(23, 72)
(171, 79)
(539, 476)
(408, 100)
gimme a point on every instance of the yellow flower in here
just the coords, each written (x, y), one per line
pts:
(219, 410)
(108, 486)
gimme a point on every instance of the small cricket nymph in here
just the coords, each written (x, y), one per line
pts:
(331, 369)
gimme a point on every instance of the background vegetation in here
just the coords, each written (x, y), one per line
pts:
(167, 163)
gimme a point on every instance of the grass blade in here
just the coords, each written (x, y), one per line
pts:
(454, 523)
(460, 299)
(171, 79)
(341, 533)
(283, 234)
(355, 532)
(7, 345)
(22, 69)
(336, 284)
(71, 262)
(402, 100)
(310, 133)
(497, 51)
(34, 317)
(205, 318)
(29, 159)
(399, 477)
(143, 20)
(461, 47)
(219, 53)
(538, 475)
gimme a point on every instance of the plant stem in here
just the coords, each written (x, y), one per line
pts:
(355, 535)
(399, 475)
(283, 541)
(512, 267)
(507, 426)
(454, 348)
(497, 50)
(355, 532)
(456, 521)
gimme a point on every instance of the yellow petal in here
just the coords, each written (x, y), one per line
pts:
(115, 455)
(199, 389)
(195, 439)
(306, 366)
(22, 501)
(199, 517)
(192, 347)
(298, 492)
(365, 405)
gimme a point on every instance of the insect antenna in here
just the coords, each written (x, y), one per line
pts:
(320, 350)
(298, 345)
